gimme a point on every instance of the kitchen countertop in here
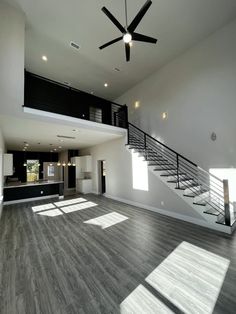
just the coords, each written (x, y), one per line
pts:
(26, 184)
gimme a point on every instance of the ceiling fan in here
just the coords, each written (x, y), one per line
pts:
(128, 32)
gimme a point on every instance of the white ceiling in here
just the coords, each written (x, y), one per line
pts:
(51, 25)
(16, 131)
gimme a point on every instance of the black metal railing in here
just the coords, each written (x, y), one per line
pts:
(205, 188)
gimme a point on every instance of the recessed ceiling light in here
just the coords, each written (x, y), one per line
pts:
(59, 147)
(26, 144)
(106, 84)
(44, 58)
(55, 149)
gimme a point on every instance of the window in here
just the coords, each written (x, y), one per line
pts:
(51, 171)
(32, 170)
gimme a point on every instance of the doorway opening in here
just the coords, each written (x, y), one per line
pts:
(102, 176)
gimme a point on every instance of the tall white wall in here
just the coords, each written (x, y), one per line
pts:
(12, 35)
(198, 90)
(119, 182)
(12, 30)
(2, 150)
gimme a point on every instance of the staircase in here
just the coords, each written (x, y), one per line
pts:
(200, 189)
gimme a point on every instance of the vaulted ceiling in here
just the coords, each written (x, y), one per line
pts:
(52, 25)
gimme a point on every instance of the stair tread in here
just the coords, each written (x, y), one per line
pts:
(172, 174)
(196, 193)
(212, 211)
(180, 180)
(164, 169)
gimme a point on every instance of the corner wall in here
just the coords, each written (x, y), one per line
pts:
(119, 182)
(12, 41)
(198, 90)
(2, 150)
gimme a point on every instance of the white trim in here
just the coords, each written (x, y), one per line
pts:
(169, 213)
(80, 122)
(25, 200)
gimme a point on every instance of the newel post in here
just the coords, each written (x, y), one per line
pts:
(226, 203)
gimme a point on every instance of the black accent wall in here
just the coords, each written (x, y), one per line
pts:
(72, 170)
(19, 159)
(47, 95)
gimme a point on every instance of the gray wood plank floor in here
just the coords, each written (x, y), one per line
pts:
(59, 264)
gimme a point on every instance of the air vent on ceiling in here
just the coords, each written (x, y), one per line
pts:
(68, 137)
(74, 45)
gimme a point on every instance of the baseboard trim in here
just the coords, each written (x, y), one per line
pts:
(171, 214)
(25, 200)
(95, 192)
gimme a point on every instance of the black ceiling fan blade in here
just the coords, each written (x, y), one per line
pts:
(127, 52)
(139, 16)
(110, 42)
(113, 19)
(144, 38)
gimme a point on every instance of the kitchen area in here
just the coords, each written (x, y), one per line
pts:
(31, 175)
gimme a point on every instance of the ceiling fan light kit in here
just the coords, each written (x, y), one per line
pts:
(128, 32)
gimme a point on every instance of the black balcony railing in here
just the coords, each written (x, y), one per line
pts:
(47, 95)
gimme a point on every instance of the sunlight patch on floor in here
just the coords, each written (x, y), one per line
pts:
(107, 220)
(142, 301)
(69, 202)
(40, 208)
(51, 213)
(73, 208)
(191, 278)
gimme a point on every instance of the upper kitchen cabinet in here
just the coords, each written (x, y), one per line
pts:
(8, 165)
(83, 163)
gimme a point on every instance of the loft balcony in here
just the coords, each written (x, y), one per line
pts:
(52, 97)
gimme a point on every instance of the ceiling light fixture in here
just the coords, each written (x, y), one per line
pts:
(45, 58)
(136, 104)
(128, 31)
(164, 115)
(106, 84)
(127, 38)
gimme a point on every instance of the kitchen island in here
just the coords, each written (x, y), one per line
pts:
(16, 192)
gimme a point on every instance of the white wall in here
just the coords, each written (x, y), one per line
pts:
(119, 180)
(12, 32)
(198, 90)
(2, 150)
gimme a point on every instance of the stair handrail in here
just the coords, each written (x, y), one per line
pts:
(172, 150)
